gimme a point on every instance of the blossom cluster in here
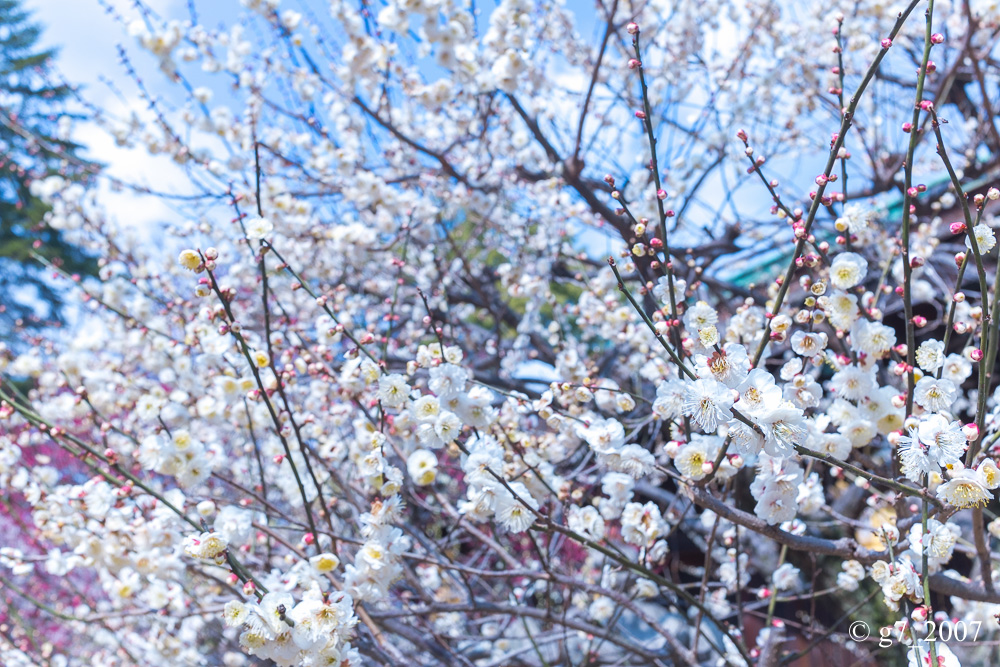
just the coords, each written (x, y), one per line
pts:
(375, 398)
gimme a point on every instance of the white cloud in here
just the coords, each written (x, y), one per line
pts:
(87, 38)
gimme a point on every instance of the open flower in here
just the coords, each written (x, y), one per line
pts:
(422, 467)
(708, 402)
(934, 395)
(966, 489)
(207, 546)
(848, 270)
(258, 228)
(728, 365)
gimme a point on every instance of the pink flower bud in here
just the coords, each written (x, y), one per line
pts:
(886, 43)
(976, 355)
(308, 538)
(640, 115)
(937, 38)
(919, 321)
(971, 432)
(957, 227)
(633, 63)
(632, 28)
(661, 194)
(741, 135)
(919, 614)
(907, 127)
(707, 467)
(927, 105)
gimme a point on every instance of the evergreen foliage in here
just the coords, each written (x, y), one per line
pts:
(32, 146)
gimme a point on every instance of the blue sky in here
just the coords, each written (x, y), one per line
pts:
(88, 38)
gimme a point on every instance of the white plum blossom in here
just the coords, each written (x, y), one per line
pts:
(258, 228)
(934, 395)
(428, 334)
(848, 270)
(707, 402)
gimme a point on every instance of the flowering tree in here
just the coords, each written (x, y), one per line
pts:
(383, 398)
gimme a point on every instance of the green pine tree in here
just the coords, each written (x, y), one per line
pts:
(30, 148)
